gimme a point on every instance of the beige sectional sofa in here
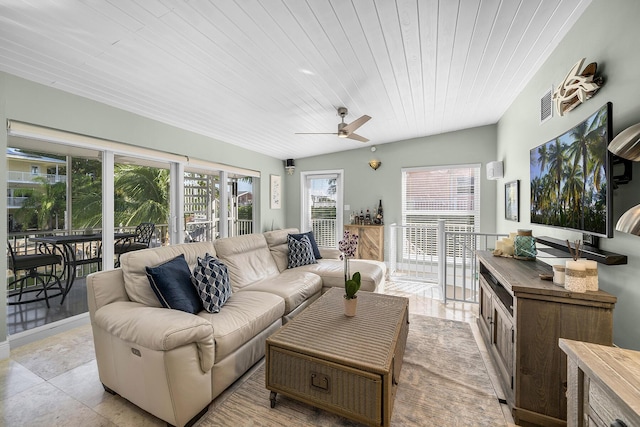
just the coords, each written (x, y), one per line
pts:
(172, 363)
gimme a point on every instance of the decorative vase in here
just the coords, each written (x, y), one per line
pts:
(525, 245)
(350, 307)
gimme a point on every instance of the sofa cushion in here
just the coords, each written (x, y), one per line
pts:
(247, 258)
(135, 276)
(294, 286)
(278, 245)
(243, 317)
(312, 240)
(211, 279)
(300, 252)
(332, 272)
(171, 282)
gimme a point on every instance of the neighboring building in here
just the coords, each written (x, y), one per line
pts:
(245, 199)
(22, 171)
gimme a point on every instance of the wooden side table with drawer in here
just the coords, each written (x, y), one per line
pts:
(603, 385)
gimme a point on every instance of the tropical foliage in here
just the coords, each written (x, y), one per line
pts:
(44, 207)
(568, 182)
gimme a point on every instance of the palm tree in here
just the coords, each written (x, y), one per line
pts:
(86, 192)
(556, 160)
(585, 136)
(45, 206)
(144, 192)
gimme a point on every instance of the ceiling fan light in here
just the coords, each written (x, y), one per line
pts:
(342, 134)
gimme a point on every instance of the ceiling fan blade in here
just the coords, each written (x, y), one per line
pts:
(357, 137)
(351, 127)
(315, 133)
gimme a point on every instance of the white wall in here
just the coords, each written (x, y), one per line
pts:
(364, 186)
(607, 33)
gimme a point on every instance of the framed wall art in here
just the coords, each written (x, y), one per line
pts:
(276, 192)
(512, 200)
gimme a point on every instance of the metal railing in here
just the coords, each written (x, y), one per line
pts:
(324, 231)
(28, 177)
(15, 202)
(442, 254)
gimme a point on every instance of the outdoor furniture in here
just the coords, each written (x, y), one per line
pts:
(142, 239)
(76, 250)
(40, 268)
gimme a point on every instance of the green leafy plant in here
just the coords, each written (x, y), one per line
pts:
(352, 286)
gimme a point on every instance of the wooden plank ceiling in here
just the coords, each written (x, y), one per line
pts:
(254, 72)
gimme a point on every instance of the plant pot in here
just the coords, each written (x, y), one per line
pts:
(350, 307)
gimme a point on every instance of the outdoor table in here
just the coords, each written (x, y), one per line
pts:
(66, 245)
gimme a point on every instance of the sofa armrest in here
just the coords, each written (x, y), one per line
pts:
(329, 253)
(159, 329)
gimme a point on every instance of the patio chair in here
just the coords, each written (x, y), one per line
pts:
(144, 233)
(40, 268)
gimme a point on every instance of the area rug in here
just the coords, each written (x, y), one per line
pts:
(443, 382)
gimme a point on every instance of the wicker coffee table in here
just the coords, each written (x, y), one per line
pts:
(346, 365)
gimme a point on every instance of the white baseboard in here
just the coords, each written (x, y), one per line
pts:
(44, 331)
(4, 350)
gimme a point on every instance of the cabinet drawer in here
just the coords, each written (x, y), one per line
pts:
(351, 392)
(604, 409)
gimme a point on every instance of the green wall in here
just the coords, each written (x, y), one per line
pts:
(363, 186)
(30, 102)
(607, 33)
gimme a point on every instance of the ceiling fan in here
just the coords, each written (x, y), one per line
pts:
(345, 130)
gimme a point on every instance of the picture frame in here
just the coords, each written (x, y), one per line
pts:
(512, 200)
(276, 192)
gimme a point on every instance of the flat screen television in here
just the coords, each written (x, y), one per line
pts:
(571, 182)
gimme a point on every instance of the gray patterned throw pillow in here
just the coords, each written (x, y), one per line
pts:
(211, 279)
(300, 252)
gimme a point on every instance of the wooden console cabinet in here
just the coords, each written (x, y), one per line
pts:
(370, 241)
(521, 320)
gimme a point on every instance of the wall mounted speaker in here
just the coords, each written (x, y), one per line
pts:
(495, 170)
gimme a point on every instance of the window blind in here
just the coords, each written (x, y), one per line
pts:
(443, 192)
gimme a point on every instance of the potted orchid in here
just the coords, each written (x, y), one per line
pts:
(348, 246)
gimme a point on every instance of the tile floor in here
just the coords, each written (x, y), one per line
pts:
(54, 381)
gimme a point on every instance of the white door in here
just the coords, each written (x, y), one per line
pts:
(322, 206)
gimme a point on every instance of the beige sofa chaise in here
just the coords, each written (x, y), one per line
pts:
(172, 363)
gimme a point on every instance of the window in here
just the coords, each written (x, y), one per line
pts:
(322, 206)
(433, 193)
(35, 170)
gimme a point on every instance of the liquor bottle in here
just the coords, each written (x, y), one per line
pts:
(367, 218)
(379, 215)
(361, 217)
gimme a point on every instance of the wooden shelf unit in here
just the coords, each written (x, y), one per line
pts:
(370, 241)
(521, 320)
(588, 252)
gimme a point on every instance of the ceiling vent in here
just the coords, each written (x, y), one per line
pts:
(546, 106)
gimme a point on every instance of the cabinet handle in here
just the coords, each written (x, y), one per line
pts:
(490, 320)
(618, 423)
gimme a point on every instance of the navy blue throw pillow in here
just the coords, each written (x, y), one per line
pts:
(171, 282)
(314, 245)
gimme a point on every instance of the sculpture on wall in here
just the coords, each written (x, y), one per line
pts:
(577, 87)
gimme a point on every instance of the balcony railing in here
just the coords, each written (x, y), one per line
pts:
(28, 177)
(324, 231)
(442, 254)
(15, 202)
